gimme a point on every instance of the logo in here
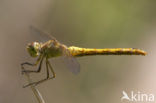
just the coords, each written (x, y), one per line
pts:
(137, 97)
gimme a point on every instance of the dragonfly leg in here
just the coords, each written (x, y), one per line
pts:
(40, 59)
(47, 78)
(52, 70)
(32, 64)
(47, 69)
(38, 82)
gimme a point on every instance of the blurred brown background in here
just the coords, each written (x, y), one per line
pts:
(84, 23)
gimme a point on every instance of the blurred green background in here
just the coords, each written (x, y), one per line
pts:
(83, 23)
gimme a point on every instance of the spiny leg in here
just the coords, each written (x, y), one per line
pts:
(40, 59)
(47, 69)
(47, 78)
(31, 64)
(52, 70)
(35, 83)
(54, 75)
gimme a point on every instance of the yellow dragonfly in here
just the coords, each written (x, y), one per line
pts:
(53, 48)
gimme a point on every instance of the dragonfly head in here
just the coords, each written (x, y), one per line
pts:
(34, 49)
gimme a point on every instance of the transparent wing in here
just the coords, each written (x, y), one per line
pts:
(71, 62)
(40, 35)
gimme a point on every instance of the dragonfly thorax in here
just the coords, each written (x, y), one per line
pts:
(34, 49)
(51, 48)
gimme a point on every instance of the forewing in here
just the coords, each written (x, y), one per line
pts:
(69, 60)
(40, 35)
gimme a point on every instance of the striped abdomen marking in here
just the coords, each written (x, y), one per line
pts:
(76, 51)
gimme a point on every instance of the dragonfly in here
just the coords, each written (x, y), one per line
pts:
(53, 48)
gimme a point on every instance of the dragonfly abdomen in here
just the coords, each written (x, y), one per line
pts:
(76, 51)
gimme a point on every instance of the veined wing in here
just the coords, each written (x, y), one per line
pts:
(40, 35)
(71, 62)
